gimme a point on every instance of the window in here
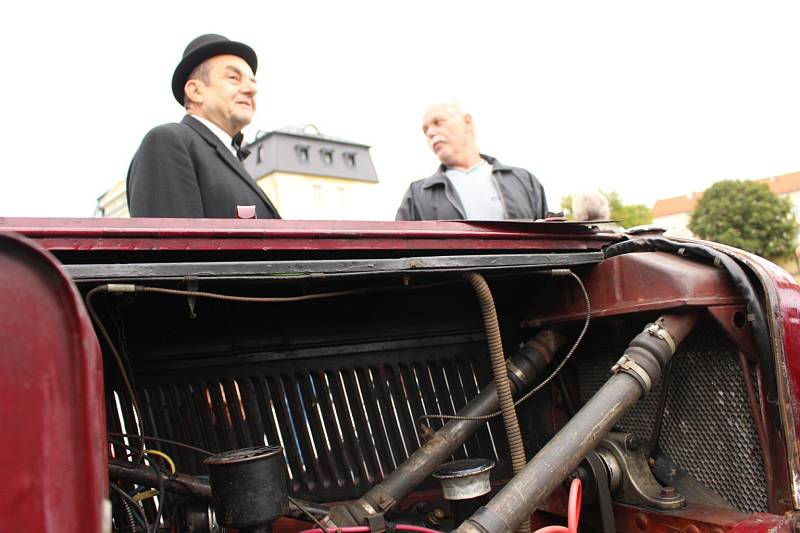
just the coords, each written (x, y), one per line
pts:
(349, 159)
(259, 152)
(316, 196)
(327, 155)
(302, 152)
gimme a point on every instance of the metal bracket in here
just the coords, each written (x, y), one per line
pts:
(376, 523)
(192, 284)
(637, 485)
(657, 331)
(629, 366)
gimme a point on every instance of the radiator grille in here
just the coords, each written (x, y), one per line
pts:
(344, 422)
(708, 423)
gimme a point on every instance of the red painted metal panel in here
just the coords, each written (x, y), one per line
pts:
(224, 234)
(633, 283)
(52, 443)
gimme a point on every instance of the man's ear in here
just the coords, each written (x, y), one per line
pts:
(468, 122)
(192, 91)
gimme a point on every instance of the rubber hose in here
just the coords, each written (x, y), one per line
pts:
(500, 372)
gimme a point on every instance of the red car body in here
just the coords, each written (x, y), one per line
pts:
(53, 444)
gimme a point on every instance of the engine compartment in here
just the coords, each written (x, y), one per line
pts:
(339, 382)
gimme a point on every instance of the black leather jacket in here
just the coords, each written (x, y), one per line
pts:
(435, 198)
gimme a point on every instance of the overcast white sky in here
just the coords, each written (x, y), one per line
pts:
(649, 99)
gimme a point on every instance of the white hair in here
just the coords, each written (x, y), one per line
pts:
(590, 206)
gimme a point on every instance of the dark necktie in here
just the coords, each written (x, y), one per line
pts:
(241, 153)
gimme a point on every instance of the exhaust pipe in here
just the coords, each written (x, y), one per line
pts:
(634, 374)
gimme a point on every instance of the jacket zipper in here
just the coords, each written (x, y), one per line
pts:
(500, 194)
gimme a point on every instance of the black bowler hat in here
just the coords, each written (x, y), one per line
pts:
(202, 48)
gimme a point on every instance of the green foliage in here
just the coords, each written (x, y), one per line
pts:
(747, 215)
(566, 206)
(627, 215)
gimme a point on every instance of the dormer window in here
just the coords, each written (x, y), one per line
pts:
(349, 159)
(327, 155)
(301, 150)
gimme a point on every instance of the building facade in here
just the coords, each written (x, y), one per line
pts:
(307, 175)
(311, 176)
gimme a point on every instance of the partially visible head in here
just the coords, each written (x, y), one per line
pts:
(590, 206)
(451, 134)
(215, 80)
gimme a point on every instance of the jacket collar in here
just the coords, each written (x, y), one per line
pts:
(225, 154)
(440, 178)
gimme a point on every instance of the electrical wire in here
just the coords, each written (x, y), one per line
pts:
(131, 448)
(129, 516)
(549, 378)
(573, 511)
(162, 495)
(307, 512)
(164, 456)
(128, 288)
(166, 441)
(366, 529)
(134, 399)
(128, 499)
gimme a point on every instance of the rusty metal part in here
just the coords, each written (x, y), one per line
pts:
(734, 321)
(533, 357)
(637, 485)
(530, 488)
(634, 283)
(758, 420)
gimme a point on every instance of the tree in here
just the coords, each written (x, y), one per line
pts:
(747, 215)
(628, 216)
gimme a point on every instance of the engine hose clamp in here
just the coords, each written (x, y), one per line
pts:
(632, 368)
(514, 369)
(657, 331)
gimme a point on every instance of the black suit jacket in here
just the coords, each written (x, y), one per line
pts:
(185, 171)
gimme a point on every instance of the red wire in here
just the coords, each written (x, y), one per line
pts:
(573, 516)
(365, 529)
(573, 511)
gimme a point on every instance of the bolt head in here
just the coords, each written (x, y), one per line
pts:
(668, 492)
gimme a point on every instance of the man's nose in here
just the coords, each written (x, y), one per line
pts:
(250, 88)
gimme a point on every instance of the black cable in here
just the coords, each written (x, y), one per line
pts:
(167, 441)
(307, 512)
(129, 515)
(128, 499)
(161, 494)
(134, 399)
(159, 471)
(666, 380)
(149, 456)
(562, 385)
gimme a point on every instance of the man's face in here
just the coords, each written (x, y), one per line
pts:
(229, 98)
(449, 133)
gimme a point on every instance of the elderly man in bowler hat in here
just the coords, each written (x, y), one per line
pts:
(468, 185)
(193, 168)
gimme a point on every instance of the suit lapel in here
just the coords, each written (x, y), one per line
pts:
(225, 154)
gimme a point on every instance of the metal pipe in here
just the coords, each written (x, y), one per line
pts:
(381, 498)
(640, 366)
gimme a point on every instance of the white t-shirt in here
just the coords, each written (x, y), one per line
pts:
(478, 192)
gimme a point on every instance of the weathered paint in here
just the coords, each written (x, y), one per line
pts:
(52, 449)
